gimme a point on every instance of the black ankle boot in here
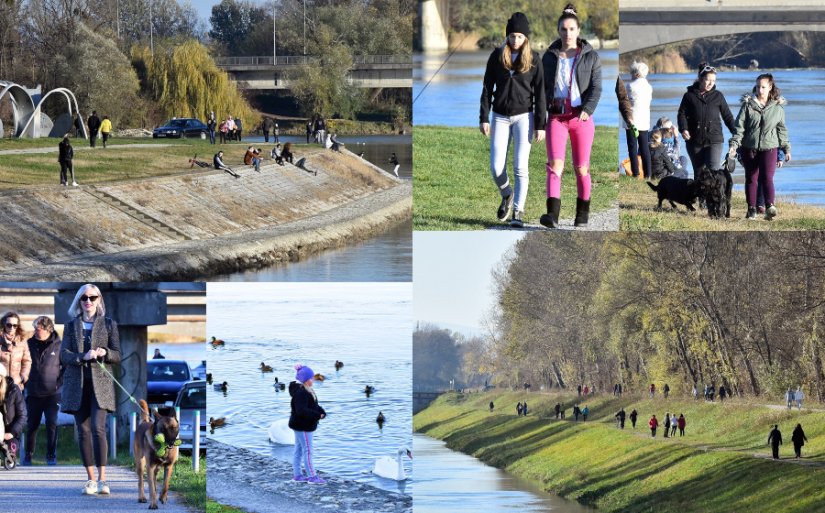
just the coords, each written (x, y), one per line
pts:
(551, 218)
(582, 212)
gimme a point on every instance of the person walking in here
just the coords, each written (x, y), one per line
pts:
(576, 412)
(105, 129)
(653, 423)
(585, 413)
(640, 94)
(798, 438)
(14, 351)
(320, 130)
(579, 390)
(94, 126)
(666, 390)
(305, 412)
(701, 113)
(557, 410)
(310, 124)
(514, 90)
(652, 390)
(667, 424)
(45, 382)
(223, 130)
(518, 409)
(65, 154)
(91, 346)
(573, 87)
(621, 417)
(633, 416)
(695, 393)
(524, 408)
(266, 128)
(673, 425)
(211, 125)
(761, 133)
(492, 406)
(681, 423)
(723, 392)
(790, 397)
(799, 396)
(775, 440)
(239, 129)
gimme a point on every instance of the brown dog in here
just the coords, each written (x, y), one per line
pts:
(154, 447)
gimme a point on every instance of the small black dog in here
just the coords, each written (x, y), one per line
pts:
(677, 190)
(717, 186)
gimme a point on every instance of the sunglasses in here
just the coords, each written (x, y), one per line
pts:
(90, 299)
(10, 325)
(707, 69)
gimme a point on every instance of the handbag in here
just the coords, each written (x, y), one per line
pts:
(562, 106)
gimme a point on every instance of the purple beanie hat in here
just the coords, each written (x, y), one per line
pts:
(303, 373)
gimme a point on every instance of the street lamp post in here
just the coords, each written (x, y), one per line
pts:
(305, 27)
(274, 48)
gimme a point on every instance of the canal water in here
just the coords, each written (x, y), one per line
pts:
(447, 480)
(366, 326)
(802, 178)
(452, 96)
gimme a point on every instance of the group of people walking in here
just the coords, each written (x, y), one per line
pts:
(97, 126)
(798, 439)
(671, 423)
(759, 136)
(549, 98)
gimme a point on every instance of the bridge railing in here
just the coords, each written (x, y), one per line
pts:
(295, 60)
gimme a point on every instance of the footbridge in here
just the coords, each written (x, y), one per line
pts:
(643, 24)
(270, 73)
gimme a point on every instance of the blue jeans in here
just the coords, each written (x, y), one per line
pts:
(520, 129)
(303, 452)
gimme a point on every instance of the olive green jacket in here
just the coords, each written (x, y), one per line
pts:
(761, 128)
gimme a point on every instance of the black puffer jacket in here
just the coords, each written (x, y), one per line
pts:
(513, 94)
(661, 164)
(702, 115)
(588, 74)
(46, 376)
(306, 412)
(13, 409)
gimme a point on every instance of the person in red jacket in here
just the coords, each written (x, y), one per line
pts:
(654, 423)
(681, 423)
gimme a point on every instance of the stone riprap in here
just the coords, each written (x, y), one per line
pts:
(260, 484)
(196, 224)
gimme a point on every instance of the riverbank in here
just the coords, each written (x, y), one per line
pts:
(195, 224)
(455, 191)
(720, 466)
(259, 484)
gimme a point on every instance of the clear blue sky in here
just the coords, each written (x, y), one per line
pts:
(452, 285)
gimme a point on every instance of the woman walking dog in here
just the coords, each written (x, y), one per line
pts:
(514, 87)
(90, 341)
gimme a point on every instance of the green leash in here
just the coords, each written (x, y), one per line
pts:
(131, 397)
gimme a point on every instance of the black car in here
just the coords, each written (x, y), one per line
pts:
(181, 127)
(165, 378)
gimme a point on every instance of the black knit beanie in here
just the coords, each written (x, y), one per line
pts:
(518, 23)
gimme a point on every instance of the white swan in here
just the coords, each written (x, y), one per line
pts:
(279, 433)
(390, 468)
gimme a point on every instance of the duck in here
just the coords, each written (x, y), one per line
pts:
(265, 367)
(380, 419)
(391, 468)
(219, 422)
(217, 342)
(209, 377)
(279, 433)
(279, 386)
(221, 386)
(319, 377)
(338, 364)
(369, 389)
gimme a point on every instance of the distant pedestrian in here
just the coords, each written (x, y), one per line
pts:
(223, 131)
(790, 397)
(586, 390)
(105, 129)
(723, 392)
(681, 423)
(492, 406)
(799, 396)
(94, 126)
(310, 124)
(576, 412)
(78, 126)
(667, 424)
(157, 355)
(276, 133)
(666, 390)
(524, 408)
(43, 391)
(775, 440)
(558, 410)
(616, 390)
(394, 162)
(238, 128)
(673, 425)
(266, 128)
(320, 130)
(652, 390)
(695, 392)
(653, 424)
(585, 413)
(579, 390)
(518, 409)
(711, 392)
(621, 417)
(620, 389)
(798, 438)
(633, 416)
(210, 126)
(65, 156)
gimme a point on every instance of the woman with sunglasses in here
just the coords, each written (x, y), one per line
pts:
(91, 346)
(700, 112)
(14, 350)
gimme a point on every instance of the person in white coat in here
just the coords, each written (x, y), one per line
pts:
(799, 396)
(640, 93)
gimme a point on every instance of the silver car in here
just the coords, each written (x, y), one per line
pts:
(191, 398)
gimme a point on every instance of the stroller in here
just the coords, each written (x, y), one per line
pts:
(8, 449)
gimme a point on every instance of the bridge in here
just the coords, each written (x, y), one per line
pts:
(645, 25)
(433, 27)
(269, 73)
(422, 399)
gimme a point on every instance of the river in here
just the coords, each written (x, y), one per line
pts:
(802, 178)
(452, 96)
(447, 480)
(368, 326)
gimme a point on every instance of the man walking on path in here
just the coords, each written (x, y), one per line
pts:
(621, 416)
(94, 125)
(798, 438)
(43, 388)
(633, 416)
(653, 424)
(775, 440)
(799, 396)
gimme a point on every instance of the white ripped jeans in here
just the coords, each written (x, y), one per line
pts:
(520, 127)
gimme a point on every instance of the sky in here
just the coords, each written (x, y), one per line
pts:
(452, 283)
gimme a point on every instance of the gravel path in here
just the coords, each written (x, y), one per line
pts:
(604, 221)
(53, 149)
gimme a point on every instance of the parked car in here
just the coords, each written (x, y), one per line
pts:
(181, 127)
(165, 378)
(191, 398)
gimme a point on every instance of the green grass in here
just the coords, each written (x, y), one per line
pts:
(638, 213)
(214, 507)
(185, 481)
(713, 469)
(453, 188)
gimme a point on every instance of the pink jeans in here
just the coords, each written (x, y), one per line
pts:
(581, 134)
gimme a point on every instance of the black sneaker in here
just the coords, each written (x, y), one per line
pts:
(751, 215)
(516, 221)
(504, 208)
(770, 212)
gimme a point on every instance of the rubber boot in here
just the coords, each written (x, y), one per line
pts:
(551, 218)
(582, 212)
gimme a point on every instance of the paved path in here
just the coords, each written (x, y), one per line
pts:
(604, 221)
(58, 490)
(53, 149)
(259, 484)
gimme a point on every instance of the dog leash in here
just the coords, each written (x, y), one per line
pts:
(131, 397)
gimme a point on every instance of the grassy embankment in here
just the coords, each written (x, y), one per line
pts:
(454, 190)
(191, 485)
(638, 213)
(215, 507)
(720, 465)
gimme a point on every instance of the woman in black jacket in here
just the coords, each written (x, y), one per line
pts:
(303, 420)
(514, 86)
(91, 345)
(573, 87)
(12, 407)
(700, 112)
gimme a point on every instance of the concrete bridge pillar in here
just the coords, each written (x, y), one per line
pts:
(434, 19)
(135, 307)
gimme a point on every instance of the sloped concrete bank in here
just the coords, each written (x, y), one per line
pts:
(193, 226)
(258, 484)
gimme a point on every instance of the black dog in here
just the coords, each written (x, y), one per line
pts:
(717, 186)
(677, 190)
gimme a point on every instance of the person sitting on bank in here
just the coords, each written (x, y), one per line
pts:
(217, 161)
(252, 158)
(276, 154)
(286, 153)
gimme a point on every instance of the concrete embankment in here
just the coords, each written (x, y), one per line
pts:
(194, 225)
(258, 484)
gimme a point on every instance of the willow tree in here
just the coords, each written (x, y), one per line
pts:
(185, 82)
